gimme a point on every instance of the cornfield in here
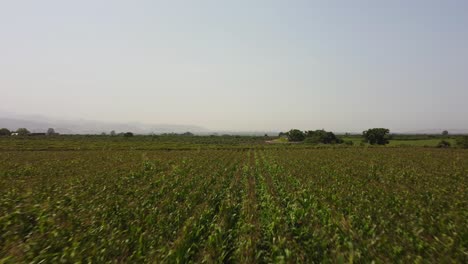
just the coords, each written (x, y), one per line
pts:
(259, 205)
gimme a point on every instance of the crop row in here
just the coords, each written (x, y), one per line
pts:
(272, 205)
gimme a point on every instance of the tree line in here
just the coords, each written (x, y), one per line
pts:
(372, 136)
(25, 132)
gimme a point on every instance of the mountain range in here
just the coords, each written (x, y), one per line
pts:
(41, 124)
(37, 123)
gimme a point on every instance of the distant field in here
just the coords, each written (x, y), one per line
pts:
(94, 142)
(181, 142)
(78, 199)
(420, 143)
(409, 142)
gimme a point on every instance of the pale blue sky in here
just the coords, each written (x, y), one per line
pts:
(239, 65)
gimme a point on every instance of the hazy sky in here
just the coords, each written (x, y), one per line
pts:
(239, 65)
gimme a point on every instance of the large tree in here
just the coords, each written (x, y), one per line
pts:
(379, 136)
(4, 132)
(50, 132)
(296, 135)
(22, 131)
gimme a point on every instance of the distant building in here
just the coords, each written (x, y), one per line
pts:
(14, 134)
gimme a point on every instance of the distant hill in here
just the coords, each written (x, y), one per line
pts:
(37, 123)
(41, 124)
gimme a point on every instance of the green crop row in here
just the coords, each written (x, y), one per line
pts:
(273, 205)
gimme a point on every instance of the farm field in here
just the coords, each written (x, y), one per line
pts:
(425, 142)
(243, 203)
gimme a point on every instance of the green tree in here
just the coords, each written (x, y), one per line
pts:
(322, 136)
(22, 131)
(50, 132)
(112, 133)
(128, 134)
(296, 135)
(379, 136)
(5, 132)
(445, 133)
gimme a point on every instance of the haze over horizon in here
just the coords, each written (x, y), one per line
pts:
(238, 65)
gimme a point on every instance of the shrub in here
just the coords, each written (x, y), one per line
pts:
(128, 134)
(443, 144)
(462, 142)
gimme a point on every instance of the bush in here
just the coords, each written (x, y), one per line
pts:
(462, 142)
(128, 134)
(443, 144)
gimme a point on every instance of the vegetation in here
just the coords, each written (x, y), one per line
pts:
(110, 200)
(379, 136)
(312, 137)
(128, 134)
(22, 131)
(4, 132)
(51, 132)
(322, 137)
(444, 144)
(462, 142)
(296, 135)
